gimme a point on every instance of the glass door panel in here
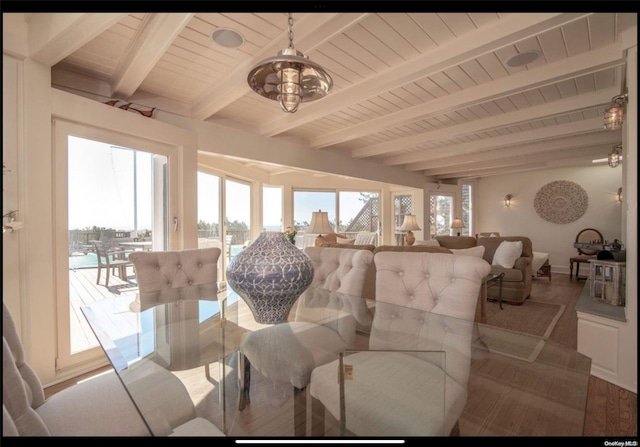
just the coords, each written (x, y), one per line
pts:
(117, 196)
(237, 217)
(209, 212)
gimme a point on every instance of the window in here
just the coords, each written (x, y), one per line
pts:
(272, 208)
(467, 210)
(440, 214)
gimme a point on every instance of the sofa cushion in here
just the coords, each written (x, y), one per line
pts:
(345, 241)
(457, 242)
(478, 251)
(510, 275)
(507, 253)
(429, 243)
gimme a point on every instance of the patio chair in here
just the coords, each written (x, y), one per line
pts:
(110, 260)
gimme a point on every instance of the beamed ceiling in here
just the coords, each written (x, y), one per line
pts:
(426, 92)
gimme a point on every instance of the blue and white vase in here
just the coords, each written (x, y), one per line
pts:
(270, 275)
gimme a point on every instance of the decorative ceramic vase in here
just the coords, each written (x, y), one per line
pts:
(270, 275)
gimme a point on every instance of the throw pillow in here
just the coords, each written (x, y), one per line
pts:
(478, 251)
(345, 241)
(493, 235)
(429, 243)
(507, 253)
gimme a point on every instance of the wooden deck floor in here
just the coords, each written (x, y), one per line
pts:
(83, 291)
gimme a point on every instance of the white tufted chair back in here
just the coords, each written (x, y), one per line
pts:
(339, 269)
(342, 271)
(442, 285)
(161, 270)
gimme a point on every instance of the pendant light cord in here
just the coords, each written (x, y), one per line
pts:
(290, 31)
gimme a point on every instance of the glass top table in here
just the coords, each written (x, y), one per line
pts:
(517, 384)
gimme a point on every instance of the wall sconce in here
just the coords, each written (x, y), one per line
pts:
(9, 222)
(614, 114)
(620, 194)
(457, 224)
(614, 156)
(507, 200)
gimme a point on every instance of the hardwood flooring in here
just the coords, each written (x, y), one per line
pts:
(611, 411)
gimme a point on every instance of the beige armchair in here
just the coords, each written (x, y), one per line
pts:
(516, 284)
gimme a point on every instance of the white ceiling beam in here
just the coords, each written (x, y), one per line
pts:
(548, 110)
(539, 147)
(580, 65)
(54, 36)
(311, 31)
(514, 139)
(150, 45)
(510, 160)
(512, 28)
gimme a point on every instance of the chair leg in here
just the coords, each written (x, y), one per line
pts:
(106, 283)
(99, 271)
(317, 417)
(244, 381)
(570, 269)
(300, 411)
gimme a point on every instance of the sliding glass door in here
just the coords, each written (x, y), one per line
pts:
(108, 193)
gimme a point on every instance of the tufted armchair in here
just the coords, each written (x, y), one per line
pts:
(324, 325)
(424, 302)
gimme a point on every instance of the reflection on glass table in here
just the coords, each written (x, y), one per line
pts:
(515, 385)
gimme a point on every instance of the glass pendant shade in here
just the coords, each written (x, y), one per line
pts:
(614, 114)
(615, 157)
(290, 78)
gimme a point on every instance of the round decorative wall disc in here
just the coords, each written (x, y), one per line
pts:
(561, 202)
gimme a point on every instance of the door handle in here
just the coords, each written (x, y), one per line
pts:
(175, 223)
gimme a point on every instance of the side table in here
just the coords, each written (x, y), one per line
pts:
(495, 279)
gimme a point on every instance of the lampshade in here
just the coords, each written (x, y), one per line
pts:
(290, 77)
(320, 223)
(457, 224)
(614, 156)
(409, 223)
(614, 114)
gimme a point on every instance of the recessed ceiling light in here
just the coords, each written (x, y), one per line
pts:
(521, 59)
(227, 38)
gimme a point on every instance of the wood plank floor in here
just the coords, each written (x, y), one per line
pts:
(611, 411)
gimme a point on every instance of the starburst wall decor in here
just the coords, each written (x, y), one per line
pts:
(561, 202)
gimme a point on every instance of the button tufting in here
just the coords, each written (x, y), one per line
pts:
(190, 282)
(400, 273)
(179, 266)
(199, 264)
(168, 284)
(157, 267)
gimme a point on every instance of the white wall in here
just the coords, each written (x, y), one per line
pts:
(603, 213)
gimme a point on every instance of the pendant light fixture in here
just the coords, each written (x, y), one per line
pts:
(614, 156)
(290, 77)
(614, 114)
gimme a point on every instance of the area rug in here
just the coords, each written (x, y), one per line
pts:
(531, 324)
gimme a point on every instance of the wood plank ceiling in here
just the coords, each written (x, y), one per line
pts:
(427, 92)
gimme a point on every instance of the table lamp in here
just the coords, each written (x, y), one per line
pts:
(409, 224)
(457, 224)
(320, 224)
